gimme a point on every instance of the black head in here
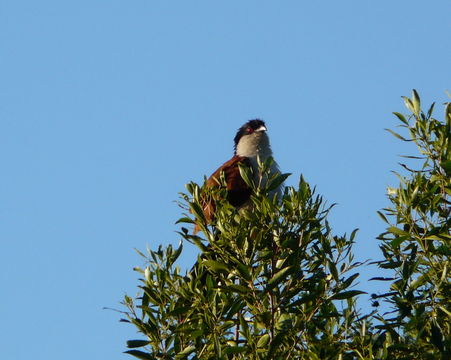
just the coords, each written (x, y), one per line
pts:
(248, 129)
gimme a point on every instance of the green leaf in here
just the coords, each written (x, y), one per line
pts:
(431, 109)
(215, 265)
(333, 270)
(448, 112)
(380, 278)
(197, 211)
(279, 180)
(278, 277)
(409, 104)
(397, 135)
(382, 216)
(245, 173)
(347, 294)
(244, 327)
(397, 231)
(263, 341)
(185, 220)
(353, 234)
(140, 354)
(437, 335)
(416, 102)
(179, 310)
(349, 281)
(237, 288)
(244, 272)
(445, 311)
(190, 187)
(137, 343)
(399, 240)
(275, 345)
(284, 322)
(234, 349)
(446, 165)
(185, 352)
(401, 117)
(421, 280)
(177, 253)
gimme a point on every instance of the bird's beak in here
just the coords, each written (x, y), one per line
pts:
(262, 128)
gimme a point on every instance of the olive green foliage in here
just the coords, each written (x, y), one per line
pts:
(273, 282)
(417, 243)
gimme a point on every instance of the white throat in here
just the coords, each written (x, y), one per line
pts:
(253, 145)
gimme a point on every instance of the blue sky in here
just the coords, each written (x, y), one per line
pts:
(109, 107)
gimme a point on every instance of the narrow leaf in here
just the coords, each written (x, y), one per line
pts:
(237, 288)
(382, 216)
(185, 220)
(277, 181)
(408, 104)
(278, 277)
(347, 294)
(398, 241)
(416, 102)
(185, 352)
(379, 278)
(396, 135)
(234, 349)
(245, 173)
(140, 354)
(401, 117)
(136, 343)
(397, 231)
(215, 265)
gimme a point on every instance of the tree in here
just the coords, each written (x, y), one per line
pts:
(417, 243)
(271, 282)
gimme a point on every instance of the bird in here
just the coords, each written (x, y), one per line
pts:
(251, 144)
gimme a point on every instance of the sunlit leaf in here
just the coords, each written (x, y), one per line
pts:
(185, 352)
(263, 341)
(416, 102)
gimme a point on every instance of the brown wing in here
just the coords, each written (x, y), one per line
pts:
(238, 192)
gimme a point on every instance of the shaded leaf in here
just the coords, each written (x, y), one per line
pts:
(278, 277)
(234, 349)
(347, 294)
(279, 180)
(137, 343)
(140, 354)
(401, 117)
(215, 265)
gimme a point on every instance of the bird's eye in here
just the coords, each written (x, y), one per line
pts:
(249, 130)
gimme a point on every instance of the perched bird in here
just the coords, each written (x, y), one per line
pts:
(251, 142)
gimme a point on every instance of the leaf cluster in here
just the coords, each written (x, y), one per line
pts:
(417, 243)
(271, 282)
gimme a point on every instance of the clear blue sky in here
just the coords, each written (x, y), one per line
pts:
(107, 108)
